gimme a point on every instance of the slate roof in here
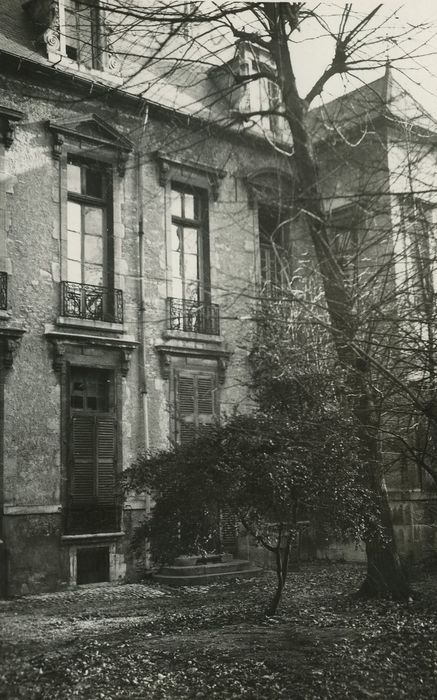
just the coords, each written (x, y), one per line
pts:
(362, 107)
(191, 91)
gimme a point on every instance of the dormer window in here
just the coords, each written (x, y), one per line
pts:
(82, 32)
(73, 33)
(249, 84)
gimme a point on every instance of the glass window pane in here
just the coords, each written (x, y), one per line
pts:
(74, 271)
(91, 403)
(71, 31)
(77, 401)
(177, 288)
(191, 267)
(73, 178)
(74, 245)
(192, 291)
(74, 216)
(176, 238)
(86, 37)
(190, 241)
(176, 203)
(94, 183)
(93, 220)
(189, 206)
(93, 249)
(93, 274)
(176, 264)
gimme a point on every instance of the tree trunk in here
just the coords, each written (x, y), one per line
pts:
(384, 575)
(281, 570)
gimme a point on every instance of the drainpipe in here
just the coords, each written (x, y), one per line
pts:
(143, 357)
(142, 324)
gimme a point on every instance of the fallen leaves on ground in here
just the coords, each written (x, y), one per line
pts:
(154, 642)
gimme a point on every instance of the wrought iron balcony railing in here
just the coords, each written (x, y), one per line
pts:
(3, 291)
(90, 302)
(193, 316)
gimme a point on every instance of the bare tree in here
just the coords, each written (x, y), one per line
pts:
(180, 33)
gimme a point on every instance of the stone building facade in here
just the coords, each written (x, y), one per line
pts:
(134, 233)
(128, 252)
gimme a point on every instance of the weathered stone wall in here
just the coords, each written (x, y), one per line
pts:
(31, 243)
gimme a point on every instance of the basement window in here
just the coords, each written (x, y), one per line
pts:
(92, 565)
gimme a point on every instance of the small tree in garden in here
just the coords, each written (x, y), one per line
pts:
(269, 470)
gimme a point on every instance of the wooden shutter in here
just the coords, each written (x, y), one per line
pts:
(82, 458)
(105, 458)
(205, 399)
(93, 459)
(195, 404)
(186, 409)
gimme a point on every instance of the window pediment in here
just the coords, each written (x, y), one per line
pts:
(90, 132)
(192, 173)
(271, 185)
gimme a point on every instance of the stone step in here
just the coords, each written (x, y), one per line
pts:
(202, 579)
(234, 565)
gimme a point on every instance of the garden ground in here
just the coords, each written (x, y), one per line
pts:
(150, 641)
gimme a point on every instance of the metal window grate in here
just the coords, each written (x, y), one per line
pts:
(3, 291)
(92, 517)
(193, 316)
(92, 302)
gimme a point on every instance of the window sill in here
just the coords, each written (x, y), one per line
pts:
(92, 536)
(5, 315)
(192, 337)
(88, 324)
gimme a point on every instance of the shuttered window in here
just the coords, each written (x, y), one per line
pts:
(93, 459)
(92, 493)
(195, 403)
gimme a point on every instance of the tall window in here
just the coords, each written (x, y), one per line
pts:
(344, 231)
(87, 219)
(83, 32)
(92, 502)
(189, 246)
(419, 220)
(275, 250)
(195, 395)
(261, 94)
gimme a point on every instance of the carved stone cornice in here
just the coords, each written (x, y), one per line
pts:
(94, 132)
(270, 186)
(62, 340)
(9, 119)
(10, 339)
(194, 172)
(167, 351)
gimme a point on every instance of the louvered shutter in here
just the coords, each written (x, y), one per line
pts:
(195, 404)
(105, 458)
(82, 488)
(186, 409)
(205, 399)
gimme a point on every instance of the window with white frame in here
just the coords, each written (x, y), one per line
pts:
(275, 250)
(344, 225)
(419, 220)
(83, 32)
(262, 94)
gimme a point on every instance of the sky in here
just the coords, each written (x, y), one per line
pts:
(407, 36)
